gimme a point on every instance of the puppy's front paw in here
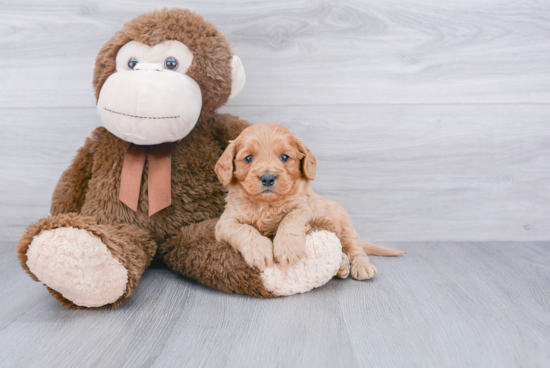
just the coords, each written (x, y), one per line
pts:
(288, 249)
(259, 253)
(362, 269)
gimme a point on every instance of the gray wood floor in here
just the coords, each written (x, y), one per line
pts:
(441, 305)
(430, 121)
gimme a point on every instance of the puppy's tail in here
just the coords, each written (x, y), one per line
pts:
(377, 250)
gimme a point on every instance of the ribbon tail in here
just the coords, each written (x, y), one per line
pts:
(160, 177)
(130, 179)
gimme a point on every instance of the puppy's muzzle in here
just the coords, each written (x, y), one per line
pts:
(268, 180)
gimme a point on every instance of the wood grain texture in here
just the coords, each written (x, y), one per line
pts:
(405, 173)
(441, 305)
(302, 52)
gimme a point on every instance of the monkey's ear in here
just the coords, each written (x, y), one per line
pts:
(224, 166)
(308, 162)
(237, 75)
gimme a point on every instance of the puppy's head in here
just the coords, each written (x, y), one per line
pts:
(266, 160)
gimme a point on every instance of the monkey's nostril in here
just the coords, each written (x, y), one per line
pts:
(267, 180)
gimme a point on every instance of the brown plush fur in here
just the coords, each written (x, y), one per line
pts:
(255, 212)
(195, 251)
(87, 194)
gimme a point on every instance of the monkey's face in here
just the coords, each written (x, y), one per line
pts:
(150, 99)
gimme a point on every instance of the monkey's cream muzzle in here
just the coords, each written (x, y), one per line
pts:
(149, 105)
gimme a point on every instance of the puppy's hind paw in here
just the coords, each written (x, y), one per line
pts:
(363, 270)
(344, 270)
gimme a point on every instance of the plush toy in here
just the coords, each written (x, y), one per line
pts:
(144, 185)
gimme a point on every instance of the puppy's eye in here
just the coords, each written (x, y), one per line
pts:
(132, 63)
(284, 158)
(248, 159)
(171, 63)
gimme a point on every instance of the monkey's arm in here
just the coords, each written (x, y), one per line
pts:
(71, 188)
(289, 244)
(256, 249)
(226, 127)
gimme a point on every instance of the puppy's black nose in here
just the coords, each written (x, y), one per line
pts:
(267, 179)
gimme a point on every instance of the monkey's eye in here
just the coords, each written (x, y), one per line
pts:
(248, 159)
(284, 158)
(171, 63)
(132, 63)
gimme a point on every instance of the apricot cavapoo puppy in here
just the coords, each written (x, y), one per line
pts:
(267, 172)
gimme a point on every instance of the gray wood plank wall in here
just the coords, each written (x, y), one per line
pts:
(430, 119)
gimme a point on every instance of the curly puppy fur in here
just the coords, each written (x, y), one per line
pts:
(86, 196)
(283, 207)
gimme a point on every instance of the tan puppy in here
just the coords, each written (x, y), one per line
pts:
(267, 172)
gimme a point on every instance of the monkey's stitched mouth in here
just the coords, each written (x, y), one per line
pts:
(140, 117)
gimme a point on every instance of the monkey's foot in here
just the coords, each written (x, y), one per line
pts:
(77, 265)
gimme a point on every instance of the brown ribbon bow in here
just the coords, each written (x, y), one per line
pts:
(159, 180)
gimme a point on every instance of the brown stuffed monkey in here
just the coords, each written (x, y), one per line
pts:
(144, 185)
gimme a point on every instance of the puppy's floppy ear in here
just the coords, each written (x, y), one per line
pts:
(309, 163)
(224, 166)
